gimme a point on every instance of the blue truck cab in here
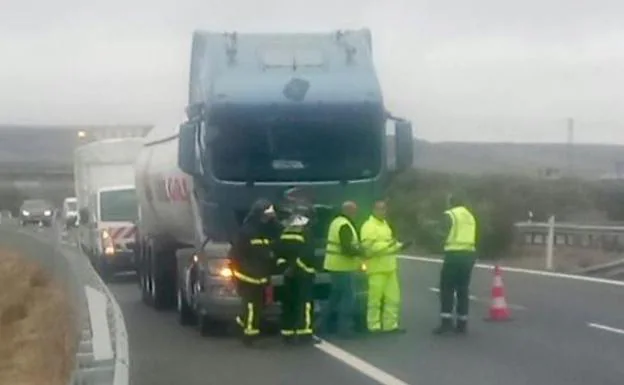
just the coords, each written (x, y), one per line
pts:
(271, 112)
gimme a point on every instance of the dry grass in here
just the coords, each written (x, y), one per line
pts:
(37, 333)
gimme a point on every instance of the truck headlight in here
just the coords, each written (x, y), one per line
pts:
(47, 213)
(25, 213)
(219, 267)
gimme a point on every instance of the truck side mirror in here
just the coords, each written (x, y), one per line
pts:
(187, 156)
(404, 145)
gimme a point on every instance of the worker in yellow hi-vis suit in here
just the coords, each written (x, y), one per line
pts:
(384, 294)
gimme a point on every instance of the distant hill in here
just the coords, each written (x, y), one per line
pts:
(590, 161)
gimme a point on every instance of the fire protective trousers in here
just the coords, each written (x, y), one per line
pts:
(297, 305)
(252, 300)
(384, 299)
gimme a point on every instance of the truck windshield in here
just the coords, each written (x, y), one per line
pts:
(296, 152)
(118, 206)
(71, 206)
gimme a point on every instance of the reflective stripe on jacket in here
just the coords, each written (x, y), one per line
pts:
(335, 258)
(463, 230)
(380, 245)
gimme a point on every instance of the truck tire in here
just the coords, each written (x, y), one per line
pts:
(143, 272)
(186, 315)
(162, 276)
(185, 310)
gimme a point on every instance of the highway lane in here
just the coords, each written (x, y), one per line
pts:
(164, 353)
(547, 342)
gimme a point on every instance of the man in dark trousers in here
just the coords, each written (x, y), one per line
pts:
(343, 261)
(295, 252)
(252, 265)
(460, 255)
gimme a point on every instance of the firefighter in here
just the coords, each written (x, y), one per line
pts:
(252, 265)
(295, 252)
(460, 227)
(381, 248)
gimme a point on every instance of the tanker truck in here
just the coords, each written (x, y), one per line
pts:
(268, 115)
(107, 203)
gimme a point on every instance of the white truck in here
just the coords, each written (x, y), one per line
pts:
(268, 114)
(107, 202)
(69, 213)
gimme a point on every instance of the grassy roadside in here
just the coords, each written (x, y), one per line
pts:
(37, 332)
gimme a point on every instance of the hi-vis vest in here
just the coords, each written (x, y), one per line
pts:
(335, 260)
(380, 245)
(463, 230)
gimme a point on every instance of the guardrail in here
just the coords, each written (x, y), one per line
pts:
(103, 355)
(552, 234)
(601, 237)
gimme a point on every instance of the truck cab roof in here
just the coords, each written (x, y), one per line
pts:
(309, 68)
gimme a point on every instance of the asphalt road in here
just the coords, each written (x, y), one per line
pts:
(563, 332)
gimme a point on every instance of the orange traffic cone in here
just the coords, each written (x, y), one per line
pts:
(499, 311)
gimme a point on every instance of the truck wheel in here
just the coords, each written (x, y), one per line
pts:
(186, 315)
(143, 274)
(162, 277)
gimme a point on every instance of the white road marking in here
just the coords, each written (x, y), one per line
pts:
(524, 271)
(358, 364)
(606, 328)
(473, 298)
(436, 290)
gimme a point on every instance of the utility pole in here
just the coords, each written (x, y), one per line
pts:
(570, 148)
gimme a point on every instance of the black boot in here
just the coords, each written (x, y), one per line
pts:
(461, 327)
(444, 327)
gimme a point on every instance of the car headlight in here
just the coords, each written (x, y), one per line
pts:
(47, 213)
(25, 213)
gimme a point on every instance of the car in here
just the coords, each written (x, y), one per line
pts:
(36, 211)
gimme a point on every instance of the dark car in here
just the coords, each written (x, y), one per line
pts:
(36, 211)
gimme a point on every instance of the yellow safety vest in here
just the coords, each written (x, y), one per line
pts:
(463, 230)
(380, 245)
(335, 260)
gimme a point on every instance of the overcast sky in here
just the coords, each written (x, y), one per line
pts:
(486, 70)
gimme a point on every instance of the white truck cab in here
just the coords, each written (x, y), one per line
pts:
(70, 211)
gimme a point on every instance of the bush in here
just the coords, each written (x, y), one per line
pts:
(418, 200)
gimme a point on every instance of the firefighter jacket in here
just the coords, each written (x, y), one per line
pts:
(295, 250)
(251, 253)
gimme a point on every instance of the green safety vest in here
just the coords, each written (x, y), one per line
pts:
(380, 245)
(463, 231)
(335, 260)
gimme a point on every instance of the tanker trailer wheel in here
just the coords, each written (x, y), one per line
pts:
(143, 272)
(162, 276)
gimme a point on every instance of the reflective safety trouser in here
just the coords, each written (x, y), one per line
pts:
(455, 281)
(384, 300)
(298, 304)
(252, 300)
